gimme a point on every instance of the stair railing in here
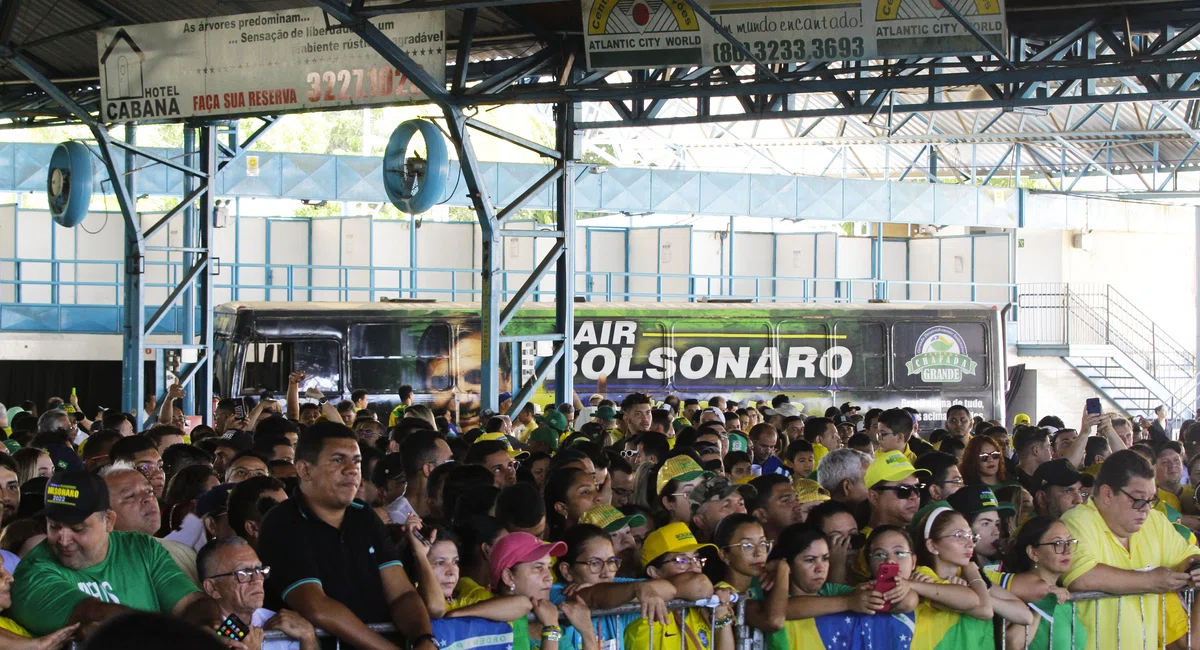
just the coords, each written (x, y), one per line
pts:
(1095, 314)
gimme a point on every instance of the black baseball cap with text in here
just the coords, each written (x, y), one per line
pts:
(74, 495)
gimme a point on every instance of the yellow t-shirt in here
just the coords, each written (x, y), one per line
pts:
(1184, 502)
(1155, 545)
(938, 626)
(819, 451)
(669, 637)
(14, 627)
(912, 458)
(468, 592)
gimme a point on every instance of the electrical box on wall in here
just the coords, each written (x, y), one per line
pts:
(1082, 241)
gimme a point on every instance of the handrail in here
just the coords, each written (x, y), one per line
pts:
(741, 630)
(1100, 314)
(301, 279)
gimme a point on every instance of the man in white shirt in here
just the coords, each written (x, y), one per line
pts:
(233, 576)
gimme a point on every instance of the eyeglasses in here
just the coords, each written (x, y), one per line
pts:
(952, 481)
(1140, 504)
(995, 455)
(244, 576)
(883, 556)
(684, 562)
(149, 467)
(749, 548)
(903, 492)
(628, 453)
(962, 537)
(1061, 546)
(595, 565)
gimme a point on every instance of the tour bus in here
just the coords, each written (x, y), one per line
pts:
(927, 356)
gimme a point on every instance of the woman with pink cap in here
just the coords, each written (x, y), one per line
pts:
(521, 566)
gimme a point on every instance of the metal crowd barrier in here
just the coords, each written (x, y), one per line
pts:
(745, 637)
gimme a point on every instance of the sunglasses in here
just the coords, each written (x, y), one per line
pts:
(995, 455)
(901, 491)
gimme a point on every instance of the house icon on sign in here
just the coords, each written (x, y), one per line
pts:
(122, 68)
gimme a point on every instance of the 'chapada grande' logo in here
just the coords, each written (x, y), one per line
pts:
(941, 357)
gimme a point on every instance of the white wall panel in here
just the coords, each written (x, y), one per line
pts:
(643, 258)
(991, 267)
(795, 257)
(605, 254)
(224, 245)
(446, 246)
(162, 268)
(675, 258)
(854, 262)
(389, 250)
(956, 261)
(827, 254)
(520, 254)
(289, 249)
(922, 268)
(326, 251)
(356, 254)
(707, 259)
(65, 244)
(8, 244)
(251, 243)
(33, 242)
(753, 255)
(895, 262)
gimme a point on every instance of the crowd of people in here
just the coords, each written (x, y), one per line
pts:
(850, 528)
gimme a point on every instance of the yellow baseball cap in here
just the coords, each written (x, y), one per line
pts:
(1020, 419)
(808, 490)
(610, 519)
(512, 453)
(678, 467)
(672, 538)
(892, 466)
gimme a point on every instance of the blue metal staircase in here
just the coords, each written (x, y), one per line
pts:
(1110, 343)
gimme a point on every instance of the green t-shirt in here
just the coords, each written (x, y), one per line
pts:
(137, 573)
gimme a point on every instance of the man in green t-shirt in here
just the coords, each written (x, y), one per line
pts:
(87, 573)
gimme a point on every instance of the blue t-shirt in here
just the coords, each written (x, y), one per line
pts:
(610, 630)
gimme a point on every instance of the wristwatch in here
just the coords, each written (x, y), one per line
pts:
(426, 637)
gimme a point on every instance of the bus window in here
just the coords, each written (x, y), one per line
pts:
(320, 362)
(262, 368)
(266, 366)
(807, 357)
(735, 354)
(385, 356)
(860, 355)
(940, 355)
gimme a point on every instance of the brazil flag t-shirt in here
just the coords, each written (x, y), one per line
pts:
(137, 573)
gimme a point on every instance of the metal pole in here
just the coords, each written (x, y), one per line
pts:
(566, 115)
(133, 315)
(204, 283)
(189, 259)
(1195, 370)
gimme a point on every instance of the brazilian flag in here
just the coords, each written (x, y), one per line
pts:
(1061, 620)
(942, 629)
(845, 631)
